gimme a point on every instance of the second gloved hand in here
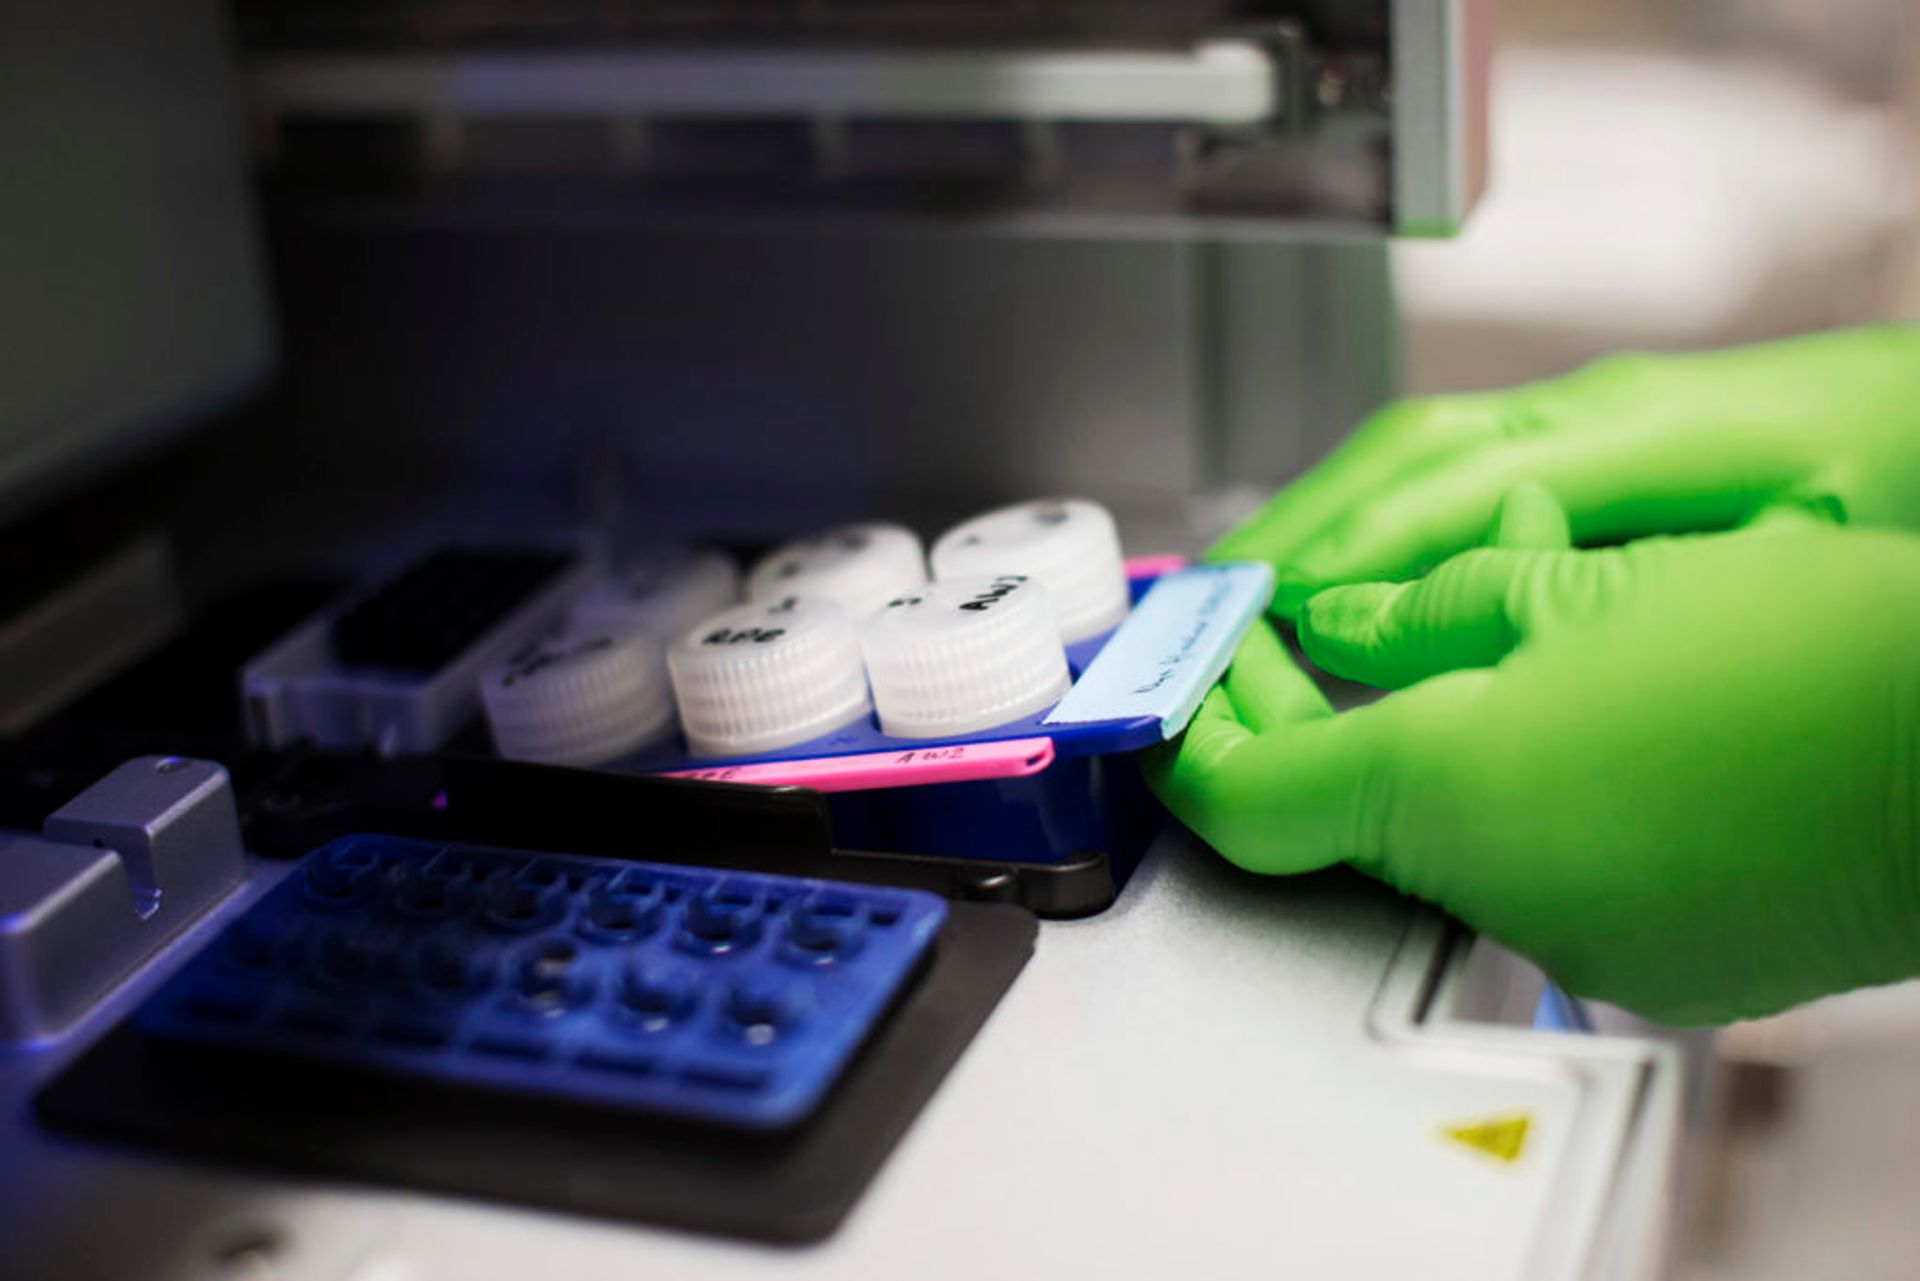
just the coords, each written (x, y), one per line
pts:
(1632, 445)
(1682, 775)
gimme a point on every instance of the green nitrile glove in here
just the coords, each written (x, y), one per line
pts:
(1632, 445)
(1682, 775)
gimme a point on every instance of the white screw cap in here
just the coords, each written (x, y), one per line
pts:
(662, 593)
(582, 697)
(857, 567)
(965, 654)
(1068, 544)
(767, 674)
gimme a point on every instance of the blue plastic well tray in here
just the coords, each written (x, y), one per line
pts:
(725, 997)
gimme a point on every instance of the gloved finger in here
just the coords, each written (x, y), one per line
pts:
(1470, 612)
(1530, 519)
(1291, 798)
(1263, 689)
(1798, 509)
(1386, 450)
(1266, 687)
(1157, 762)
(1397, 634)
(1612, 484)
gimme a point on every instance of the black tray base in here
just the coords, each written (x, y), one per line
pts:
(793, 1187)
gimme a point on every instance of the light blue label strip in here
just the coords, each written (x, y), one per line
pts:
(1171, 649)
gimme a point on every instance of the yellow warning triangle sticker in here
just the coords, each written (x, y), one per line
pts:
(1503, 1137)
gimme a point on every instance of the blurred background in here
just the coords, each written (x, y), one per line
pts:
(475, 319)
(1741, 171)
(1669, 175)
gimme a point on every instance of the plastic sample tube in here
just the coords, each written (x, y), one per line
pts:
(766, 675)
(964, 654)
(663, 593)
(857, 567)
(1069, 545)
(585, 696)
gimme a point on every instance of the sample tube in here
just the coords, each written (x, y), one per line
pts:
(857, 567)
(1068, 544)
(766, 675)
(964, 654)
(585, 696)
(663, 592)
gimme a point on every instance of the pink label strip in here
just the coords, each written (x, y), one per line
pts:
(1155, 566)
(910, 767)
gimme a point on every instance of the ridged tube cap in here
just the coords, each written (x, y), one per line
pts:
(766, 675)
(584, 696)
(1069, 545)
(857, 567)
(663, 593)
(964, 654)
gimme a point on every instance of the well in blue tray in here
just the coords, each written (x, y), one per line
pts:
(725, 997)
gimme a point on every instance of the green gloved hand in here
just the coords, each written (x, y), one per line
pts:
(1682, 775)
(1632, 445)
